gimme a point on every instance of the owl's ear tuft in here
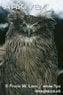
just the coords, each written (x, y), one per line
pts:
(51, 23)
(48, 23)
(16, 15)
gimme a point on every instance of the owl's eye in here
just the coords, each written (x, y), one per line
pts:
(24, 25)
(37, 26)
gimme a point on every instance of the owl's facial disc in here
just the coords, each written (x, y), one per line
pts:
(29, 29)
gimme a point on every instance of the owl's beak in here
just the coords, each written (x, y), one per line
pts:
(29, 32)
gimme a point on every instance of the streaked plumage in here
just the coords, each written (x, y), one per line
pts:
(30, 53)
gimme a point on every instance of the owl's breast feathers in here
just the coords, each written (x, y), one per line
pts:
(29, 59)
(32, 59)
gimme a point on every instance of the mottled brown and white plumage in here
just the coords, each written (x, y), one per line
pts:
(30, 53)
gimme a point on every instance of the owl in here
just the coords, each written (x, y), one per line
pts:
(31, 56)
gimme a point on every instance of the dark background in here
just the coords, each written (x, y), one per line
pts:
(58, 35)
(3, 20)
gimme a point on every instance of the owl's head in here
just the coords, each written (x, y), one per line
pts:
(28, 25)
